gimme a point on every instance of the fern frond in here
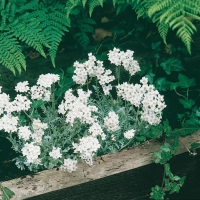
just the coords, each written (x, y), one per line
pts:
(173, 14)
(82, 39)
(93, 4)
(28, 32)
(84, 2)
(70, 5)
(32, 5)
(11, 55)
(54, 25)
(163, 30)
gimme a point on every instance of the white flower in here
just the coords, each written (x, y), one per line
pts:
(22, 87)
(37, 125)
(55, 153)
(77, 107)
(87, 147)
(9, 123)
(31, 151)
(47, 80)
(106, 89)
(21, 103)
(129, 134)
(24, 132)
(69, 165)
(40, 93)
(147, 97)
(96, 130)
(111, 122)
(125, 59)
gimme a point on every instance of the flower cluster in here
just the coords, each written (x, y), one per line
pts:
(111, 122)
(55, 153)
(96, 130)
(87, 147)
(31, 151)
(41, 90)
(22, 87)
(24, 132)
(77, 107)
(47, 80)
(147, 97)
(69, 165)
(129, 134)
(38, 130)
(125, 59)
(93, 68)
(8, 123)
(59, 134)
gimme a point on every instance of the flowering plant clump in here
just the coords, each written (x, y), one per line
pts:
(50, 127)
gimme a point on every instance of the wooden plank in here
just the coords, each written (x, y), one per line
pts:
(51, 180)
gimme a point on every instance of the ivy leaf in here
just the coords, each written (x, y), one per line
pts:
(157, 193)
(161, 84)
(167, 169)
(182, 180)
(158, 157)
(172, 64)
(150, 77)
(187, 103)
(166, 127)
(194, 146)
(155, 131)
(172, 85)
(176, 178)
(198, 113)
(185, 82)
(167, 184)
(165, 147)
(156, 45)
(174, 188)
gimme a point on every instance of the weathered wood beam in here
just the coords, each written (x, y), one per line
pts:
(51, 180)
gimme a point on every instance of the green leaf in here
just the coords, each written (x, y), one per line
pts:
(7, 193)
(198, 113)
(167, 184)
(187, 103)
(150, 77)
(167, 169)
(166, 156)
(172, 85)
(174, 146)
(172, 64)
(176, 178)
(70, 71)
(37, 104)
(161, 84)
(194, 146)
(165, 147)
(166, 127)
(65, 84)
(140, 138)
(158, 157)
(174, 188)
(156, 45)
(182, 180)
(157, 193)
(155, 131)
(185, 82)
